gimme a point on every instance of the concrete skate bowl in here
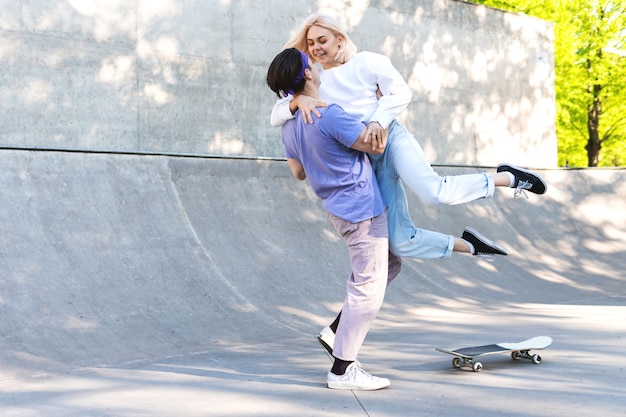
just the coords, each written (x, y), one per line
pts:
(109, 260)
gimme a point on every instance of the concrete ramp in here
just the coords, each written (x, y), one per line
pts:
(150, 285)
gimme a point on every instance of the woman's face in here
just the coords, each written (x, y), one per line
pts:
(323, 46)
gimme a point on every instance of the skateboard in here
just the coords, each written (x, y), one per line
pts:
(465, 356)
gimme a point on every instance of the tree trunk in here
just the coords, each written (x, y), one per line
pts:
(594, 145)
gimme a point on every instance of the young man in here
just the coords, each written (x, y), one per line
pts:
(330, 154)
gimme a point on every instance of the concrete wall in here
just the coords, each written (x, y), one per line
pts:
(189, 76)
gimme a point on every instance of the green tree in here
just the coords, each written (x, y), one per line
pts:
(590, 76)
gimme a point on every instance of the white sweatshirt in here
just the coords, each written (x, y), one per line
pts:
(353, 86)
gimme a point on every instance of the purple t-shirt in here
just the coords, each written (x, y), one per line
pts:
(341, 176)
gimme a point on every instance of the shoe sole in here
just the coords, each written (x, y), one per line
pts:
(347, 385)
(353, 388)
(325, 345)
(513, 169)
(486, 241)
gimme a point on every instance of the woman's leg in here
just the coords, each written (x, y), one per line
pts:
(413, 168)
(405, 239)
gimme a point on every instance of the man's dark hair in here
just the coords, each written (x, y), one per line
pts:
(285, 73)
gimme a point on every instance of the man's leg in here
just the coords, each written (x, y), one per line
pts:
(365, 290)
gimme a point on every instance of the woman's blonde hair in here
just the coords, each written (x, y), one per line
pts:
(299, 40)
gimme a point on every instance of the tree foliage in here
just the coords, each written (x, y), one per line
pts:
(590, 76)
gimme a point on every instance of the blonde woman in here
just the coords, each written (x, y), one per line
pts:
(369, 88)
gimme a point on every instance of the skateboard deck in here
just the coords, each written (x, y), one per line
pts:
(464, 357)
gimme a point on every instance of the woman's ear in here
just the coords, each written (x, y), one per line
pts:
(307, 74)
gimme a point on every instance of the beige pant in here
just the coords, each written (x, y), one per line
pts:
(373, 268)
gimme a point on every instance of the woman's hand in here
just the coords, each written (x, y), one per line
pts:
(306, 105)
(376, 135)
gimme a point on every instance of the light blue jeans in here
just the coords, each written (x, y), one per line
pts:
(405, 161)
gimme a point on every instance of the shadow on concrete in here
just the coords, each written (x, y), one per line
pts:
(153, 285)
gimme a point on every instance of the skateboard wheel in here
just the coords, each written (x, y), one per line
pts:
(516, 355)
(536, 359)
(456, 362)
(477, 367)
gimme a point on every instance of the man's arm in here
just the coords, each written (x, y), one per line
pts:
(296, 169)
(342, 127)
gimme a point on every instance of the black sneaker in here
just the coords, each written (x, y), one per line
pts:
(482, 246)
(524, 180)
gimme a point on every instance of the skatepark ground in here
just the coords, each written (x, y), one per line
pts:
(147, 285)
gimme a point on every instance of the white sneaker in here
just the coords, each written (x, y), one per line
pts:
(327, 340)
(356, 378)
